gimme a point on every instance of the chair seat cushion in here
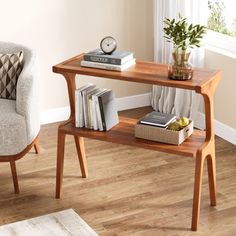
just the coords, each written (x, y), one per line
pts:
(13, 136)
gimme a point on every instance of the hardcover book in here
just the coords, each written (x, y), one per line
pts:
(156, 118)
(89, 107)
(85, 104)
(94, 109)
(109, 114)
(98, 110)
(116, 58)
(79, 111)
(104, 66)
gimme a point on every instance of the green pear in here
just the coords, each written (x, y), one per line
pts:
(174, 126)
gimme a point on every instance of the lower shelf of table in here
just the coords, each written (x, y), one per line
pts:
(123, 133)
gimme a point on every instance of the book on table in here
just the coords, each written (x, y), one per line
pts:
(106, 66)
(158, 119)
(86, 93)
(95, 108)
(107, 105)
(95, 112)
(79, 114)
(98, 110)
(116, 58)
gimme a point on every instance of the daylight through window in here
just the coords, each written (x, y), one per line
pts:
(222, 17)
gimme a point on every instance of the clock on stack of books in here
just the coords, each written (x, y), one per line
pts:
(118, 60)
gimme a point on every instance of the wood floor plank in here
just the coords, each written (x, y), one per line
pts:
(130, 191)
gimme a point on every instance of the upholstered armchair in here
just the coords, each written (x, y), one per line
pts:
(19, 117)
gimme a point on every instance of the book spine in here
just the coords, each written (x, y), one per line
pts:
(76, 109)
(88, 120)
(102, 113)
(114, 61)
(98, 113)
(85, 110)
(101, 65)
(80, 110)
(91, 115)
(95, 120)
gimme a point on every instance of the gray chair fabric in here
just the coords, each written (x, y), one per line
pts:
(20, 120)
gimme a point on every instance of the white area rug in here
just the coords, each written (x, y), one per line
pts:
(61, 223)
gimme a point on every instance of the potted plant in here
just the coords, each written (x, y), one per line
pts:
(184, 36)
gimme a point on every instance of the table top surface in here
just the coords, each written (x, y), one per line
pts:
(142, 72)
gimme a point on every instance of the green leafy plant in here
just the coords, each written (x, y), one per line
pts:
(183, 35)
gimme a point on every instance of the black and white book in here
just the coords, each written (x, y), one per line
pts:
(105, 66)
(98, 110)
(159, 119)
(109, 114)
(116, 58)
(79, 111)
(94, 114)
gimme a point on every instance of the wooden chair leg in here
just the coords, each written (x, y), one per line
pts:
(79, 142)
(211, 166)
(197, 191)
(60, 162)
(36, 146)
(14, 176)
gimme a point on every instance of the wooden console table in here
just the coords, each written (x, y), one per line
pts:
(200, 145)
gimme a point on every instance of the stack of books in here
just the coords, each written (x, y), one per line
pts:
(118, 60)
(95, 108)
(158, 119)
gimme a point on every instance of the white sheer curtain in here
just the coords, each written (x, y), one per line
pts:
(171, 100)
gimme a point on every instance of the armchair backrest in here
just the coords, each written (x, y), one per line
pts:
(27, 103)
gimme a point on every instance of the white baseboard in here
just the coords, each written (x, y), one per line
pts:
(123, 103)
(135, 101)
(54, 115)
(226, 132)
(222, 130)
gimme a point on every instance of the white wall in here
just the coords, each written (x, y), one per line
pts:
(59, 29)
(225, 97)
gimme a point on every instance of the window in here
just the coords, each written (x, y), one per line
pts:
(221, 22)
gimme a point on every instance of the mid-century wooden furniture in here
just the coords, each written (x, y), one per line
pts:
(13, 158)
(200, 145)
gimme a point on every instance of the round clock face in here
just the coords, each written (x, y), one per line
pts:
(108, 45)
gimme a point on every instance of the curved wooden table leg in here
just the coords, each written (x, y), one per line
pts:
(211, 166)
(79, 142)
(14, 176)
(60, 162)
(197, 191)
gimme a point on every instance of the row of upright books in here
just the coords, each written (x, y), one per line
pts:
(95, 108)
(118, 60)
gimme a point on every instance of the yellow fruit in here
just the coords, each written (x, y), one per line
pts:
(174, 126)
(178, 124)
(184, 121)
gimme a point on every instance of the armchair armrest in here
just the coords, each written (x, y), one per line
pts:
(27, 103)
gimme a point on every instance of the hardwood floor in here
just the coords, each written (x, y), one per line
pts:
(129, 191)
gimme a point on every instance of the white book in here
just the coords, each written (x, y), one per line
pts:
(108, 66)
(116, 58)
(79, 116)
(85, 103)
(89, 107)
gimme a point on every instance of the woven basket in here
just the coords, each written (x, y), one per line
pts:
(163, 135)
